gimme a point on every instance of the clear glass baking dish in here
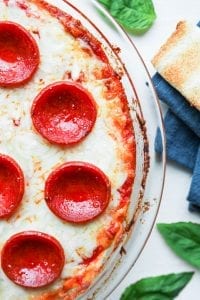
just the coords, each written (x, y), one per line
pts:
(146, 115)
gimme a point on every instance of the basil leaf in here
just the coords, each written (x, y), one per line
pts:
(106, 3)
(165, 287)
(136, 16)
(184, 239)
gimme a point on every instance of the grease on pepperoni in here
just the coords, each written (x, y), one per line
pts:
(77, 192)
(32, 259)
(19, 54)
(11, 186)
(64, 113)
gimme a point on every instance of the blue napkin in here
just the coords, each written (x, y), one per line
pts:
(194, 193)
(178, 104)
(182, 126)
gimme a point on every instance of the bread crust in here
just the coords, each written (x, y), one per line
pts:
(178, 61)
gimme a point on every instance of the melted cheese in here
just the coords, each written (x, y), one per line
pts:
(60, 54)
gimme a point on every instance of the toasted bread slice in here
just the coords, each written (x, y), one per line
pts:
(178, 61)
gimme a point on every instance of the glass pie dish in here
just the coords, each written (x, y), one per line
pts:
(130, 227)
(147, 119)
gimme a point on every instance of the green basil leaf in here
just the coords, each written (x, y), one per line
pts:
(165, 287)
(184, 239)
(106, 3)
(136, 16)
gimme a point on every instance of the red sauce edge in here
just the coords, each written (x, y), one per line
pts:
(74, 27)
(96, 252)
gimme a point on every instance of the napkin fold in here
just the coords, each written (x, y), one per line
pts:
(182, 143)
(177, 103)
(182, 126)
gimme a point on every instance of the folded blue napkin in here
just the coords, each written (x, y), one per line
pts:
(182, 126)
(177, 103)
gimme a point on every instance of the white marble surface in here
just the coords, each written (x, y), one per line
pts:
(157, 258)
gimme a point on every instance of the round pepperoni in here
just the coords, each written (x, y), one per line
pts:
(32, 259)
(77, 192)
(64, 113)
(11, 186)
(19, 54)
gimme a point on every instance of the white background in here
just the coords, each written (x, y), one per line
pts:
(157, 258)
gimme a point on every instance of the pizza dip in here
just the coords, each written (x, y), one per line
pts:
(67, 154)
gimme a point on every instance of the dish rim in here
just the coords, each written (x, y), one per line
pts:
(156, 103)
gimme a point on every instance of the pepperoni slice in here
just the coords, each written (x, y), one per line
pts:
(64, 113)
(19, 54)
(32, 259)
(77, 192)
(11, 186)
